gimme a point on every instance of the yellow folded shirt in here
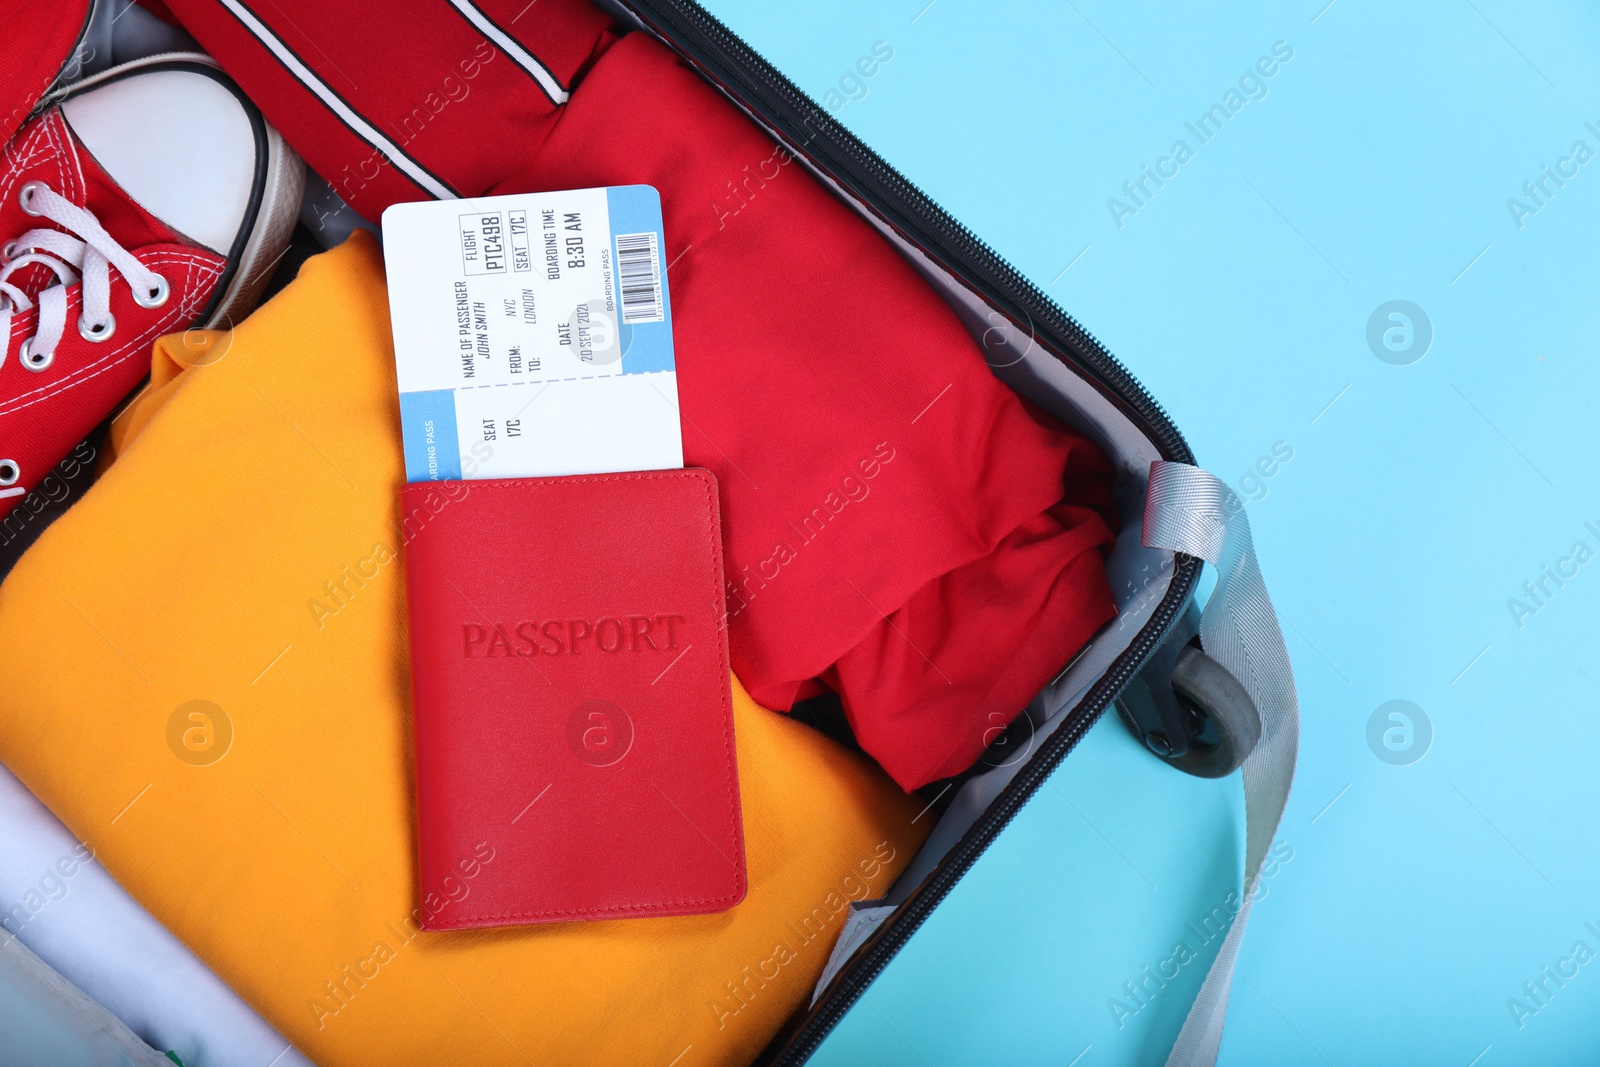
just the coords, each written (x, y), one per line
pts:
(231, 587)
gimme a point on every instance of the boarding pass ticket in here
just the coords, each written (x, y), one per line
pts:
(533, 334)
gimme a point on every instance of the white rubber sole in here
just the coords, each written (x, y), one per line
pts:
(274, 221)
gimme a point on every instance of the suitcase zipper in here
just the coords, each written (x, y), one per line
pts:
(724, 58)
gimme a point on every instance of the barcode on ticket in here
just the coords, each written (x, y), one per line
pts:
(639, 277)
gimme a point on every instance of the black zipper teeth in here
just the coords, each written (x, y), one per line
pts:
(701, 38)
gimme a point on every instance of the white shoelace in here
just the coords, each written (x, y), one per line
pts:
(85, 248)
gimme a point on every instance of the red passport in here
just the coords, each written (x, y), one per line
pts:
(572, 717)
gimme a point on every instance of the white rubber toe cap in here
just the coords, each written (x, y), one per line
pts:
(179, 143)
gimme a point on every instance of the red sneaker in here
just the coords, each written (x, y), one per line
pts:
(147, 200)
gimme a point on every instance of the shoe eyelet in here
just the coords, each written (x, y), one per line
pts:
(155, 297)
(25, 198)
(10, 472)
(97, 332)
(34, 362)
(10, 250)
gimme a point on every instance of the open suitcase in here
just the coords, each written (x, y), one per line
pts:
(1208, 692)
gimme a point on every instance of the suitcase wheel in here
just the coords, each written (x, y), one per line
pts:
(1190, 712)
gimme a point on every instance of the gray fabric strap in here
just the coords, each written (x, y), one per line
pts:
(1189, 510)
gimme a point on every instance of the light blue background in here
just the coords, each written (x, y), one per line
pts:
(1419, 499)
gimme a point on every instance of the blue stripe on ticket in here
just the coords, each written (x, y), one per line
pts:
(428, 430)
(645, 308)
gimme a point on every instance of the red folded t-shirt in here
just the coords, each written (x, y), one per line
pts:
(898, 525)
